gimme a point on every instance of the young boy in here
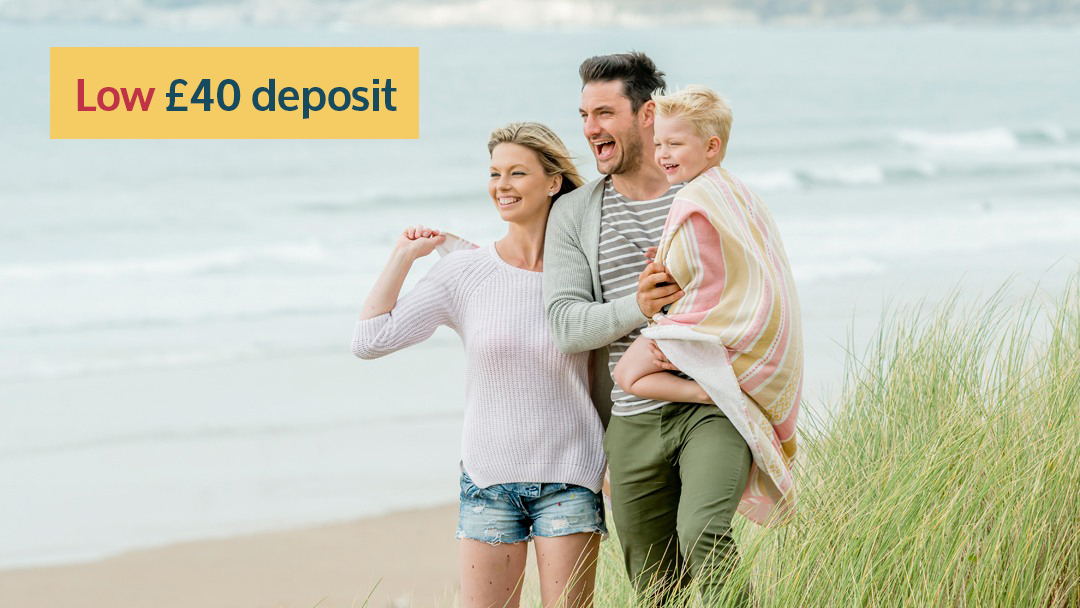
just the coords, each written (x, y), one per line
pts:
(736, 331)
(691, 130)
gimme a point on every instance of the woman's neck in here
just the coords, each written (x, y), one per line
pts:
(523, 245)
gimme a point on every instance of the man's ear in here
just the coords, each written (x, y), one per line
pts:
(647, 112)
(713, 147)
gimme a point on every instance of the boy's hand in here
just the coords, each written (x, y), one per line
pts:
(656, 289)
(660, 359)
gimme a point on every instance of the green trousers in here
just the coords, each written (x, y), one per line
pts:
(677, 473)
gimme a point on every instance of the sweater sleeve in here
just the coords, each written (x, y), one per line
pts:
(578, 322)
(414, 317)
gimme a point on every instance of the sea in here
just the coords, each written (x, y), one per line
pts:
(175, 315)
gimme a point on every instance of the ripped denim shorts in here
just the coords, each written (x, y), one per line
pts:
(515, 512)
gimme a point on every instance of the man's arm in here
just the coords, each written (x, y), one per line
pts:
(579, 323)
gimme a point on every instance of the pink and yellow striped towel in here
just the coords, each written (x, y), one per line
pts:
(737, 330)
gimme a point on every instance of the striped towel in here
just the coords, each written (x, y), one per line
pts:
(737, 330)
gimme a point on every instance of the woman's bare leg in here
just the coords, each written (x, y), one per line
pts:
(567, 566)
(491, 575)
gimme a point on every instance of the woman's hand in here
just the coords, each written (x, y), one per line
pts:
(417, 241)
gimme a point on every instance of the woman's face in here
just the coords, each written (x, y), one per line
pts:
(519, 187)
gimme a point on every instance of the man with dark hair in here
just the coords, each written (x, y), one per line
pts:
(677, 470)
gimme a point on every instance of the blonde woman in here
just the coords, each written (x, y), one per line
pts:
(532, 445)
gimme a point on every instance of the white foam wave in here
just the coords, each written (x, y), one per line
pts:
(57, 369)
(811, 270)
(504, 14)
(188, 264)
(846, 175)
(987, 140)
(772, 181)
(1052, 133)
(835, 247)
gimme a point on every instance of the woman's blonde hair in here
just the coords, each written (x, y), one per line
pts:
(551, 151)
(702, 108)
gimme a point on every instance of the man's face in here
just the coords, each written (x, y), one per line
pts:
(612, 127)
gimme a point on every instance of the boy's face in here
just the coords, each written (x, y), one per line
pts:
(613, 129)
(681, 153)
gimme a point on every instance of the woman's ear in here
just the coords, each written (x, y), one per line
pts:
(556, 183)
(712, 148)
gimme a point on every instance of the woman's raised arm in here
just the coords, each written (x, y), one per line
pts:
(388, 323)
(414, 243)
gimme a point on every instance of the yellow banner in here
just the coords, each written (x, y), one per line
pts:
(235, 93)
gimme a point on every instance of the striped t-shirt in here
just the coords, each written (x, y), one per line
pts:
(627, 229)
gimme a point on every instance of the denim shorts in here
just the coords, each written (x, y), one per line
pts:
(515, 512)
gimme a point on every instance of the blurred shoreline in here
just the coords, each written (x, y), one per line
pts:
(409, 558)
(533, 14)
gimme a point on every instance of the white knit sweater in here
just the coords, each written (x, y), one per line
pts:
(528, 414)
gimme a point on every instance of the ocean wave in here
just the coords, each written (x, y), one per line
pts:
(343, 15)
(994, 139)
(845, 175)
(45, 370)
(213, 261)
(1046, 134)
(840, 246)
(841, 176)
(167, 322)
(807, 270)
(954, 142)
(865, 175)
(157, 437)
(987, 140)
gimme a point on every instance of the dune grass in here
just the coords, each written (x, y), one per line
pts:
(948, 474)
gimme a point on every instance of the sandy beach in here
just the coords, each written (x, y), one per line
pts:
(402, 559)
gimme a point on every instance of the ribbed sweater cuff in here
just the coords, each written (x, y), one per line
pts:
(629, 313)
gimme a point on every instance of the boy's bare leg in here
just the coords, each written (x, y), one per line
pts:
(637, 374)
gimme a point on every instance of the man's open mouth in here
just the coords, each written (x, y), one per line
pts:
(604, 149)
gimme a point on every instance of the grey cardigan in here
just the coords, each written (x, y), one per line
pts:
(573, 301)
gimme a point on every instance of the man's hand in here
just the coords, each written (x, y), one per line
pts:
(660, 359)
(656, 289)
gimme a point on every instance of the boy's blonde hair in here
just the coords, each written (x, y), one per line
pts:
(706, 111)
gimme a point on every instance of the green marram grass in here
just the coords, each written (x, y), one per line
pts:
(947, 474)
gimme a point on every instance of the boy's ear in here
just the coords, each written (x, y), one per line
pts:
(713, 147)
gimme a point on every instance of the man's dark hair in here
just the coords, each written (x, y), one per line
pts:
(635, 70)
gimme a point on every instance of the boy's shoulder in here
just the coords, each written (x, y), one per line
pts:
(711, 183)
